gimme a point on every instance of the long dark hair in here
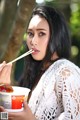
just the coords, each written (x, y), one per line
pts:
(59, 42)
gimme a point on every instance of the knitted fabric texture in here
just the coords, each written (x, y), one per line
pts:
(57, 94)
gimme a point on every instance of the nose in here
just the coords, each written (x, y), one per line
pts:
(34, 40)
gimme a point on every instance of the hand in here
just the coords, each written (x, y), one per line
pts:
(26, 114)
(2, 109)
(5, 72)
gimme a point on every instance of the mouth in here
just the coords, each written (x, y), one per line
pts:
(35, 51)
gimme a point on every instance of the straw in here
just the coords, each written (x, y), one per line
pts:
(18, 58)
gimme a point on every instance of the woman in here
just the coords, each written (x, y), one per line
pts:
(54, 80)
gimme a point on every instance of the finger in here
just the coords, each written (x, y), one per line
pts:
(2, 109)
(8, 74)
(10, 64)
(15, 115)
(5, 74)
(2, 65)
(10, 118)
(25, 105)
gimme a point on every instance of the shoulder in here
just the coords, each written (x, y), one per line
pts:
(63, 68)
(67, 72)
(66, 66)
(67, 76)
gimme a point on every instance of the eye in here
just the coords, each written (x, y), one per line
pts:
(41, 34)
(30, 34)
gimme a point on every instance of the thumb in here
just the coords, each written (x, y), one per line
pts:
(2, 109)
(26, 108)
(2, 65)
(25, 105)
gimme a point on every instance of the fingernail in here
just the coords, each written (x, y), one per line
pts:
(4, 62)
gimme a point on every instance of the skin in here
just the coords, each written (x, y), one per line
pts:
(38, 35)
(5, 72)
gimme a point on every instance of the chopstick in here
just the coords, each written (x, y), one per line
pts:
(18, 58)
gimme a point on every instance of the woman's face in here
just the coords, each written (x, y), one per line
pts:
(38, 35)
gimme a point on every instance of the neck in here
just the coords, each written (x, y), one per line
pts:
(54, 57)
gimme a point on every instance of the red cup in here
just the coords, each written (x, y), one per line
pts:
(17, 101)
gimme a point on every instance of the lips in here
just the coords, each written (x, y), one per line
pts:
(35, 50)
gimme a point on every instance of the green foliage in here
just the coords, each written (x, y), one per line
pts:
(75, 19)
(22, 49)
(75, 30)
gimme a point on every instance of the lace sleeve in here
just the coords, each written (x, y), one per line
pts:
(70, 91)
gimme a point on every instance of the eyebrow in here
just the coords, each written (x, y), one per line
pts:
(38, 29)
(42, 29)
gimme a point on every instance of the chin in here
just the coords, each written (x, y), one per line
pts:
(37, 59)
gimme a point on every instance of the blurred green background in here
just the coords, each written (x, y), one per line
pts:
(14, 16)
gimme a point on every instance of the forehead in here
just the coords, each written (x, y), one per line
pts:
(38, 21)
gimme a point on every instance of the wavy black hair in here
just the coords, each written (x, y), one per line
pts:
(59, 42)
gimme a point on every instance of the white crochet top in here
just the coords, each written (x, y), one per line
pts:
(57, 94)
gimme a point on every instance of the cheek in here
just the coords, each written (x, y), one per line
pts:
(45, 44)
(46, 41)
(44, 47)
(28, 43)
